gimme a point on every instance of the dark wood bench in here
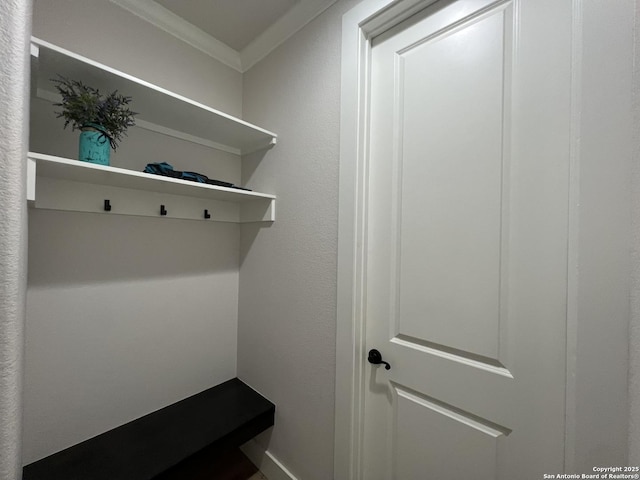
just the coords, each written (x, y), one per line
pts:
(224, 416)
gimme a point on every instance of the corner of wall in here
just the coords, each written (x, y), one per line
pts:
(634, 327)
(15, 31)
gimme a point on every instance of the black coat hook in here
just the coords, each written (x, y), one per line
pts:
(163, 211)
(107, 205)
(206, 213)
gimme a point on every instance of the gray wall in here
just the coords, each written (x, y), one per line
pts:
(124, 314)
(634, 330)
(287, 312)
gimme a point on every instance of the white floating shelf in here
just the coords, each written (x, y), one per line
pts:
(160, 109)
(63, 184)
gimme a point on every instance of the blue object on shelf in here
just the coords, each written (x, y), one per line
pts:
(94, 146)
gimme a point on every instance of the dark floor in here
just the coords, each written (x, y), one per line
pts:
(211, 465)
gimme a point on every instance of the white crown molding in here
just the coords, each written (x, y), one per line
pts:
(296, 18)
(171, 23)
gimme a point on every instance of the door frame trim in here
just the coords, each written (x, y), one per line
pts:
(601, 167)
(359, 26)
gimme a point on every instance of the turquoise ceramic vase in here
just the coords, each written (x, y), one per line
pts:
(94, 145)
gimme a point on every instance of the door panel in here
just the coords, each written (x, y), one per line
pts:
(450, 156)
(456, 431)
(467, 242)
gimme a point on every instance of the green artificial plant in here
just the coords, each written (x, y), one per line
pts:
(84, 106)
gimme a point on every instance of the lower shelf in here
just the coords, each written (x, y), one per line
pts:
(224, 416)
(56, 183)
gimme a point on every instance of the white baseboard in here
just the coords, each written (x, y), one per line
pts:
(272, 468)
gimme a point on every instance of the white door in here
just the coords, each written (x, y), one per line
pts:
(467, 242)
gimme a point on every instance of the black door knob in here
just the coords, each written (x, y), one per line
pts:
(375, 357)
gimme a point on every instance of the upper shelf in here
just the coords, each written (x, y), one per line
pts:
(156, 105)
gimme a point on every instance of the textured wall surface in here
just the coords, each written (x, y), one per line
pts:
(125, 314)
(287, 313)
(15, 29)
(634, 330)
